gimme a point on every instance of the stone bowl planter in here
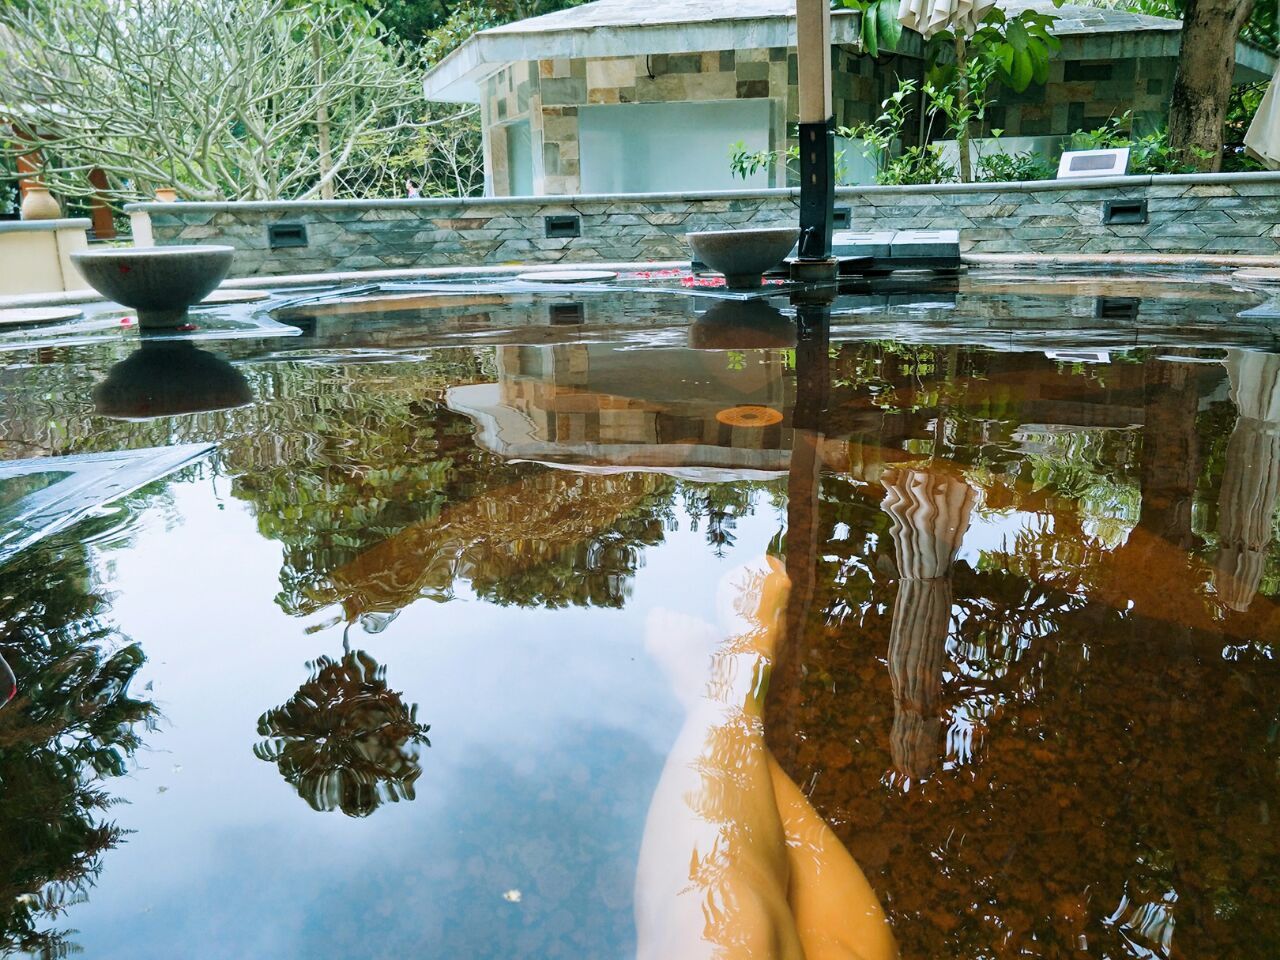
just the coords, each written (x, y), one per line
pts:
(167, 378)
(742, 325)
(743, 255)
(159, 282)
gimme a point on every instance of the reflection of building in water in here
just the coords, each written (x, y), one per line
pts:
(930, 512)
(1251, 481)
(595, 404)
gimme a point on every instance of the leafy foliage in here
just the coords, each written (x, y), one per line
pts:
(1148, 153)
(1011, 167)
(225, 99)
(72, 725)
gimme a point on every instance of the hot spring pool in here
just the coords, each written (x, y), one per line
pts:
(412, 621)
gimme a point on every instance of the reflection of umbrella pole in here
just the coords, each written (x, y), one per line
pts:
(803, 476)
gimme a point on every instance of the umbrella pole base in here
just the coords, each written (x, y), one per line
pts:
(815, 271)
(817, 188)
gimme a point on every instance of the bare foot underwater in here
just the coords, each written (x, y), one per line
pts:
(735, 862)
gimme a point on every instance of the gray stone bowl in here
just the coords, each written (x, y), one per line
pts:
(159, 282)
(743, 255)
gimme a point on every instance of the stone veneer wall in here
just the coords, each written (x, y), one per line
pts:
(1222, 214)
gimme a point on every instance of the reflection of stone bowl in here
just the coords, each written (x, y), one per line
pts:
(159, 282)
(741, 325)
(743, 255)
(168, 378)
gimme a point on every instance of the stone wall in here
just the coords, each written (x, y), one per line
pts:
(377, 235)
(1212, 214)
(1084, 95)
(1222, 214)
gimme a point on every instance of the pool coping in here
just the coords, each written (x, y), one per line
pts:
(1002, 261)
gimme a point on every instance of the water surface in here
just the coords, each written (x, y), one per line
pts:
(378, 676)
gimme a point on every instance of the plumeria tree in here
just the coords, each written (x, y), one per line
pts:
(222, 99)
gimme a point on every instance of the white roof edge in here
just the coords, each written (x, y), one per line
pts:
(456, 78)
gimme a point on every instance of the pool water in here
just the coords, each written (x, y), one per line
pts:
(403, 665)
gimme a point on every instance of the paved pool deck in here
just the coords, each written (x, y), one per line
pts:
(1107, 263)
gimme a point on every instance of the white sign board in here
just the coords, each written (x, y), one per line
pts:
(1076, 164)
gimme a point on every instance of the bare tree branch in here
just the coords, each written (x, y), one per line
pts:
(218, 99)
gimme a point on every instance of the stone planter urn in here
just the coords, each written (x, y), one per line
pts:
(38, 204)
(159, 282)
(743, 255)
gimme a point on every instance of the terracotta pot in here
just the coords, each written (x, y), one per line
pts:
(166, 194)
(38, 204)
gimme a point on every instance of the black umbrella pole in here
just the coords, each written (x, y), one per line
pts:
(817, 188)
(817, 202)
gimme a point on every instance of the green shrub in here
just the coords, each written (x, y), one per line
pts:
(1148, 154)
(1010, 167)
(917, 165)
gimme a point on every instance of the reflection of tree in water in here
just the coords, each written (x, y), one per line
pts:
(720, 506)
(345, 741)
(71, 725)
(383, 474)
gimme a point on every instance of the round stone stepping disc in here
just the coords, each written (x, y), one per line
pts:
(219, 297)
(1258, 274)
(567, 276)
(22, 316)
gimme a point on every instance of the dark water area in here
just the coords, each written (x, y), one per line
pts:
(391, 664)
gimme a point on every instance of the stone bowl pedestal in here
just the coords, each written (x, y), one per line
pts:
(743, 255)
(159, 282)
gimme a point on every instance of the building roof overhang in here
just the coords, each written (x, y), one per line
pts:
(623, 28)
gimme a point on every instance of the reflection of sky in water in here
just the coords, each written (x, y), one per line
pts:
(548, 731)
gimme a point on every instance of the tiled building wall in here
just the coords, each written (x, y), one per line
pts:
(1084, 95)
(1220, 214)
(548, 94)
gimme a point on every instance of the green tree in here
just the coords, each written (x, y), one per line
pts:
(221, 100)
(1201, 98)
(1013, 50)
